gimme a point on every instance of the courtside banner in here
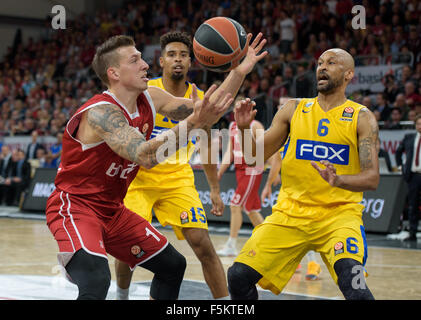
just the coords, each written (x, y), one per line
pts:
(382, 212)
(371, 77)
(40, 188)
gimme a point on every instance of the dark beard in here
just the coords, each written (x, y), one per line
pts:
(177, 76)
(330, 87)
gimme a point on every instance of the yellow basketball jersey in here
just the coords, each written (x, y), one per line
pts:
(317, 135)
(174, 171)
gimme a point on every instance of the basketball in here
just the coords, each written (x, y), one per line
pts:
(220, 44)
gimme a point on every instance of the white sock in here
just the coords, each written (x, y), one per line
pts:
(232, 242)
(311, 256)
(224, 298)
(122, 294)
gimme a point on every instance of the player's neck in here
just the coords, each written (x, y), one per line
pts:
(331, 100)
(176, 88)
(126, 97)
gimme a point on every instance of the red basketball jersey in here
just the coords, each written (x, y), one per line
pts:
(93, 171)
(239, 161)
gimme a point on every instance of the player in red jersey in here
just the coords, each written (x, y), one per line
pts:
(103, 145)
(246, 197)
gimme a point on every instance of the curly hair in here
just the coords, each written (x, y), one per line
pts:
(175, 36)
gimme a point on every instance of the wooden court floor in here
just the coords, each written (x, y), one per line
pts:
(28, 248)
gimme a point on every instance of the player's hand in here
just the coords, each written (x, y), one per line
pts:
(329, 173)
(252, 56)
(244, 113)
(206, 113)
(266, 193)
(217, 203)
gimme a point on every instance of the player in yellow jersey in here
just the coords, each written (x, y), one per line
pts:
(330, 159)
(313, 268)
(169, 188)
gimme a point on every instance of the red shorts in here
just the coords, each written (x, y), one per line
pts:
(126, 236)
(247, 193)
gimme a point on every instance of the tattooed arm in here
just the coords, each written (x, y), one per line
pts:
(175, 108)
(368, 150)
(108, 123)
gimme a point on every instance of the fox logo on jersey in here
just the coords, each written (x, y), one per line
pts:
(317, 151)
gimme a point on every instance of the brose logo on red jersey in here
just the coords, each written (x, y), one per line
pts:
(115, 169)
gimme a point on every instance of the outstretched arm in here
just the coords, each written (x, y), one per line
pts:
(179, 108)
(368, 149)
(273, 138)
(108, 123)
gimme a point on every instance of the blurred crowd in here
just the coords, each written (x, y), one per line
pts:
(43, 81)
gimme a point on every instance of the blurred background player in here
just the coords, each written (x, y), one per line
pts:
(169, 188)
(246, 196)
(313, 268)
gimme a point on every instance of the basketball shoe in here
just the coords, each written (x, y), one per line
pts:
(313, 270)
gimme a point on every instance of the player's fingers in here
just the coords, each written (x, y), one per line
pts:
(224, 101)
(193, 95)
(316, 166)
(256, 40)
(325, 162)
(249, 36)
(260, 45)
(208, 93)
(262, 55)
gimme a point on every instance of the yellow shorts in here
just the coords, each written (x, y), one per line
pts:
(277, 246)
(178, 207)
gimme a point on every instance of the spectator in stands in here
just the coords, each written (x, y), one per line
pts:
(411, 96)
(17, 180)
(55, 152)
(5, 157)
(391, 89)
(32, 149)
(394, 121)
(382, 106)
(412, 115)
(416, 76)
(411, 171)
(303, 84)
(385, 155)
(414, 41)
(367, 102)
(288, 32)
(417, 107)
(400, 103)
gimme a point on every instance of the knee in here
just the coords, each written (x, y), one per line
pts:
(179, 265)
(351, 280)
(201, 244)
(91, 274)
(242, 281)
(174, 261)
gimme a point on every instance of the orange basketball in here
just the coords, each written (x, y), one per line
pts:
(220, 44)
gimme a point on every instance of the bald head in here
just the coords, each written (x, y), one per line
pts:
(335, 69)
(344, 56)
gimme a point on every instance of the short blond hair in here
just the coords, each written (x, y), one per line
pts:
(106, 55)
